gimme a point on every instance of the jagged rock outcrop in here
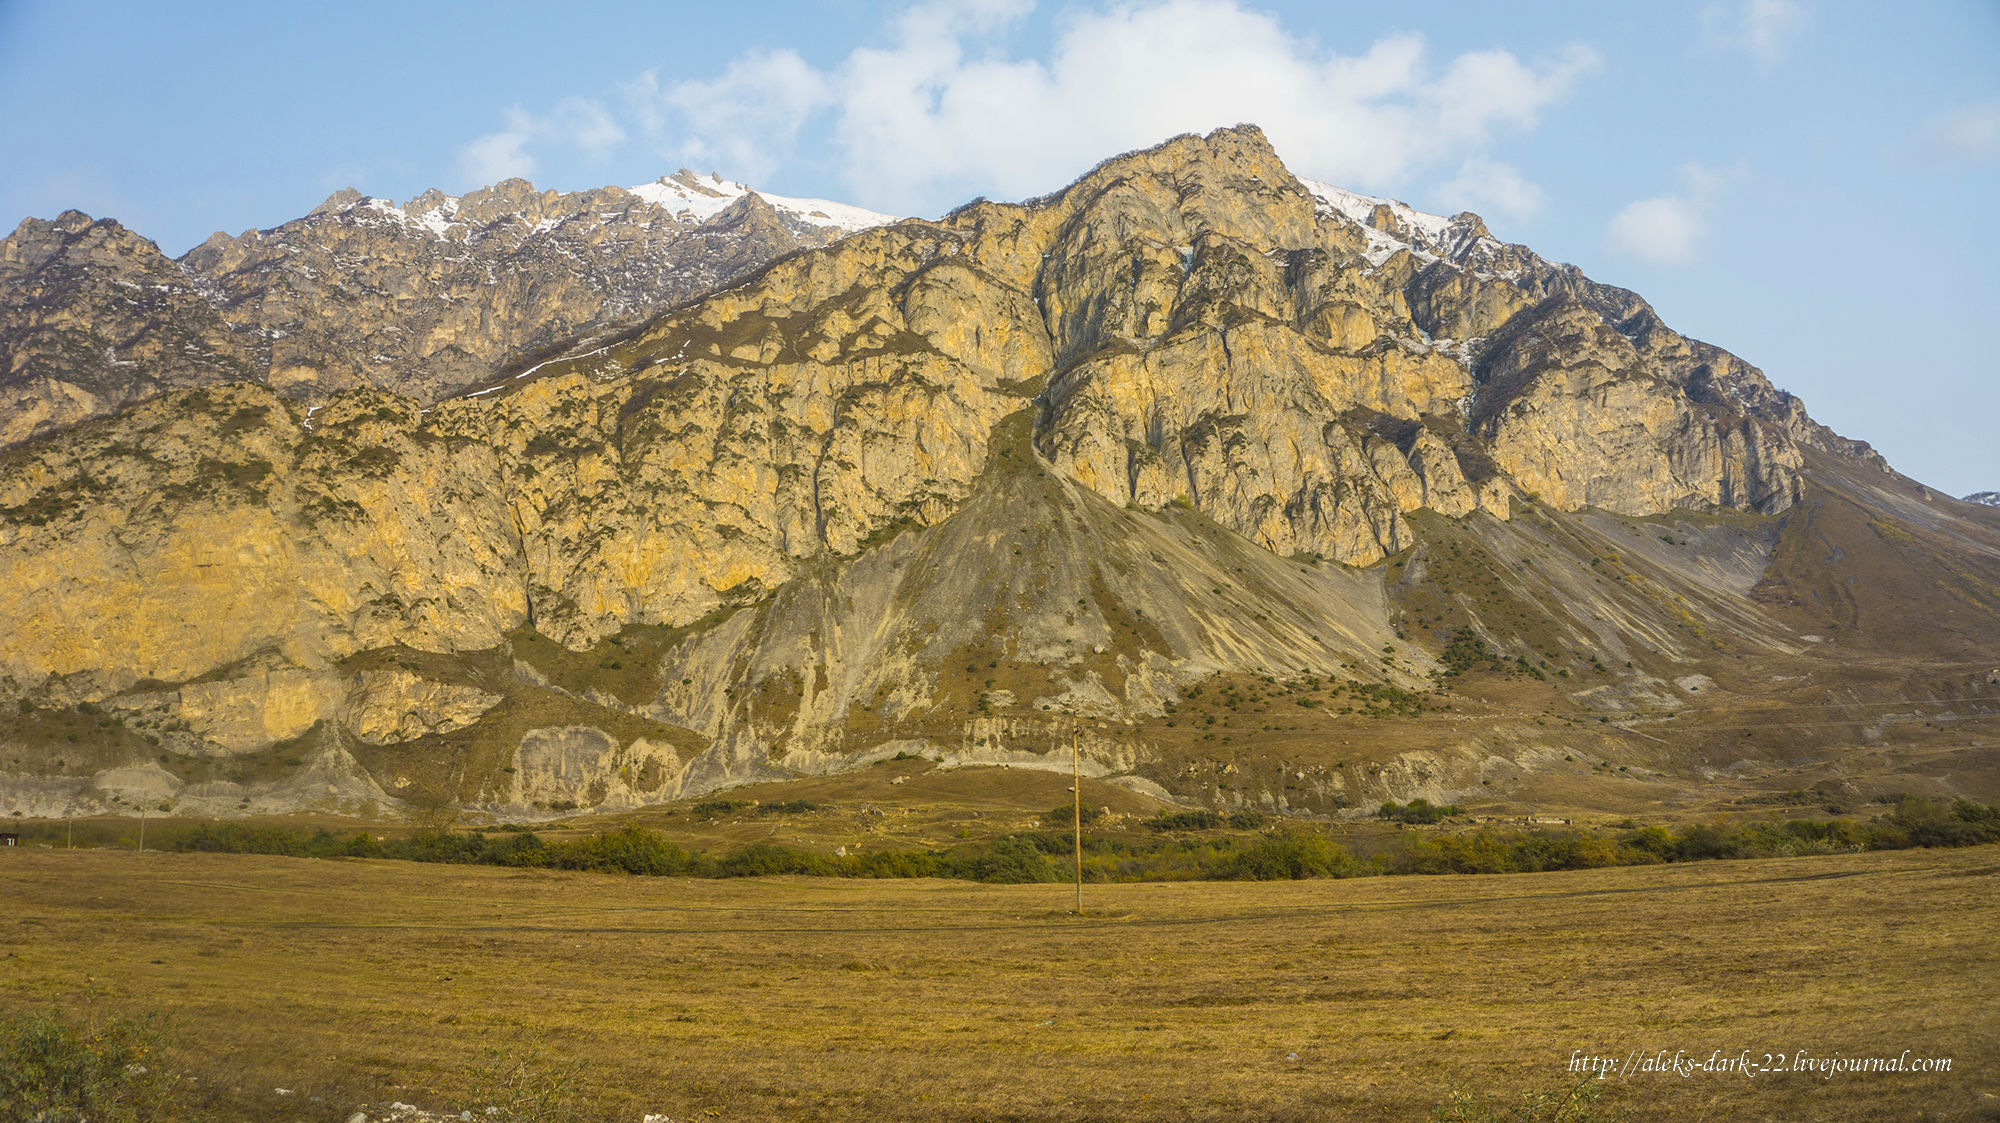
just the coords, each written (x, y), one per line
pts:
(389, 706)
(421, 299)
(582, 766)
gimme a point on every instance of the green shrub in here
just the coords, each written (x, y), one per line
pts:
(1419, 810)
(57, 1070)
(1202, 820)
(893, 863)
(1927, 824)
(1044, 855)
(1467, 651)
(1004, 860)
(767, 859)
(630, 849)
(1066, 816)
(1703, 842)
(1289, 856)
(1651, 840)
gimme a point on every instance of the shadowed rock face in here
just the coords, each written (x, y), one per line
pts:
(1113, 440)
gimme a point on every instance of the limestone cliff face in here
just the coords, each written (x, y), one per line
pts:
(1301, 363)
(1575, 411)
(1099, 441)
(421, 300)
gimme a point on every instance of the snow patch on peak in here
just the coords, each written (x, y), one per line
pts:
(698, 198)
(435, 218)
(1989, 498)
(1391, 226)
(1361, 208)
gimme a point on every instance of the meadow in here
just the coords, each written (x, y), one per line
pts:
(351, 983)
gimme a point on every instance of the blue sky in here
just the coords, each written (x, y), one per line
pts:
(1812, 185)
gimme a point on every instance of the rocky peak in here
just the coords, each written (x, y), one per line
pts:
(74, 238)
(1470, 224)
(338, 201)
(692, 181)
(94, 317)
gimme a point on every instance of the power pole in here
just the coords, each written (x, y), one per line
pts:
(1076, 773)
(142, 827)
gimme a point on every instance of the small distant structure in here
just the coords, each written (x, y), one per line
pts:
(9, 839)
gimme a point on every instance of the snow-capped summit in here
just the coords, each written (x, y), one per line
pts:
(1990, 498)
(699, 197)
(1393, 225)
(1361, 208)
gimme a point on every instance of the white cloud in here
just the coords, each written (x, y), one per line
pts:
(746, 120)
(1972, 133)
(1490, 189)
(1669, 229)
(936, 113)
(1765, 29)
(498, 156)
(585, 124)
(1664, 231)
(576, 122)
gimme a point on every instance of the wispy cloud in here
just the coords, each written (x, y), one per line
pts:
(501, 155)
(576, 122)
(749, 117)
(1670, 229)
(1491, 189)
(1971, 133)
(936, 110)
(1765, 29)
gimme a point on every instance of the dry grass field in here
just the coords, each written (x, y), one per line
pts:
(362, 982)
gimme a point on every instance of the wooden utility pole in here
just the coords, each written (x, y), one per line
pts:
(1076, 773)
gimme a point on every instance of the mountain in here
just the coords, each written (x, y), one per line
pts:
(1277, 495)
(421, 299)
(1990, 498)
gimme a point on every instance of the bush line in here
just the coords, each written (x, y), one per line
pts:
(1288, 852)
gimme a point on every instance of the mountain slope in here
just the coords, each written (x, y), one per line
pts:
(1291, 497)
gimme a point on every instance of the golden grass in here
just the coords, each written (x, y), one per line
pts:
(793, 999)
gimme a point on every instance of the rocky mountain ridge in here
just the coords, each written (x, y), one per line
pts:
(939, 487)
(420, 299)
